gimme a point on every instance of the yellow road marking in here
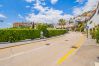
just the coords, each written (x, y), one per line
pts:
(66, 56)
(78, 45)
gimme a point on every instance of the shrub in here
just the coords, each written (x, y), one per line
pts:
(41, 26)
(97, 36)
(55, 32)
(17, 35)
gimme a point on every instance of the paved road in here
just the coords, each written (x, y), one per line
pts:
(87, 55)
(51, 52)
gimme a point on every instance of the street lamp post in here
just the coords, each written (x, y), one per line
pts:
(86, 26)
(87, 31)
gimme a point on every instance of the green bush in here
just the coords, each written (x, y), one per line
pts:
(17, 35)
(41, 27)
(97, 36)
(55, 32)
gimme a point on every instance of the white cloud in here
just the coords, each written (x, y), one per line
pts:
(54, 1)
(27, 6)
(38, 6)
(29, 1)
(53, 12)
(89, 5)
(77, 11)
(80, 1)
(46, 18)
(20, 16)
(2, 16)
(46, 14)
(50, 16)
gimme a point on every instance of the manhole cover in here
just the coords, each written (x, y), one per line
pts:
(98, 58)
(66, 40)
(74, 47)
(47, 44)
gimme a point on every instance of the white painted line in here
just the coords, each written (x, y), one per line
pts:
(18, 54)
(26, 52)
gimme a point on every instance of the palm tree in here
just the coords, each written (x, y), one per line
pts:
(62, 22)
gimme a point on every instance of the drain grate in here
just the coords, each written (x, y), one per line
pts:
(74, 47)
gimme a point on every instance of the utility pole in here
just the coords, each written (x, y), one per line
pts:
(87, 31)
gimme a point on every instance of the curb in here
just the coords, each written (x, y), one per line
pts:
(5, 45)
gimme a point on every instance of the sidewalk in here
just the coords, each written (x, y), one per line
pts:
(87, 55)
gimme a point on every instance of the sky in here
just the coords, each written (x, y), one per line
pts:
(47, 11)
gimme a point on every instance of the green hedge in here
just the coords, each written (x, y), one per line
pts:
(15, 35)
(55, 32)
(97, 36)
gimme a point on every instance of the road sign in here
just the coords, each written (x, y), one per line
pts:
(87, 27)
